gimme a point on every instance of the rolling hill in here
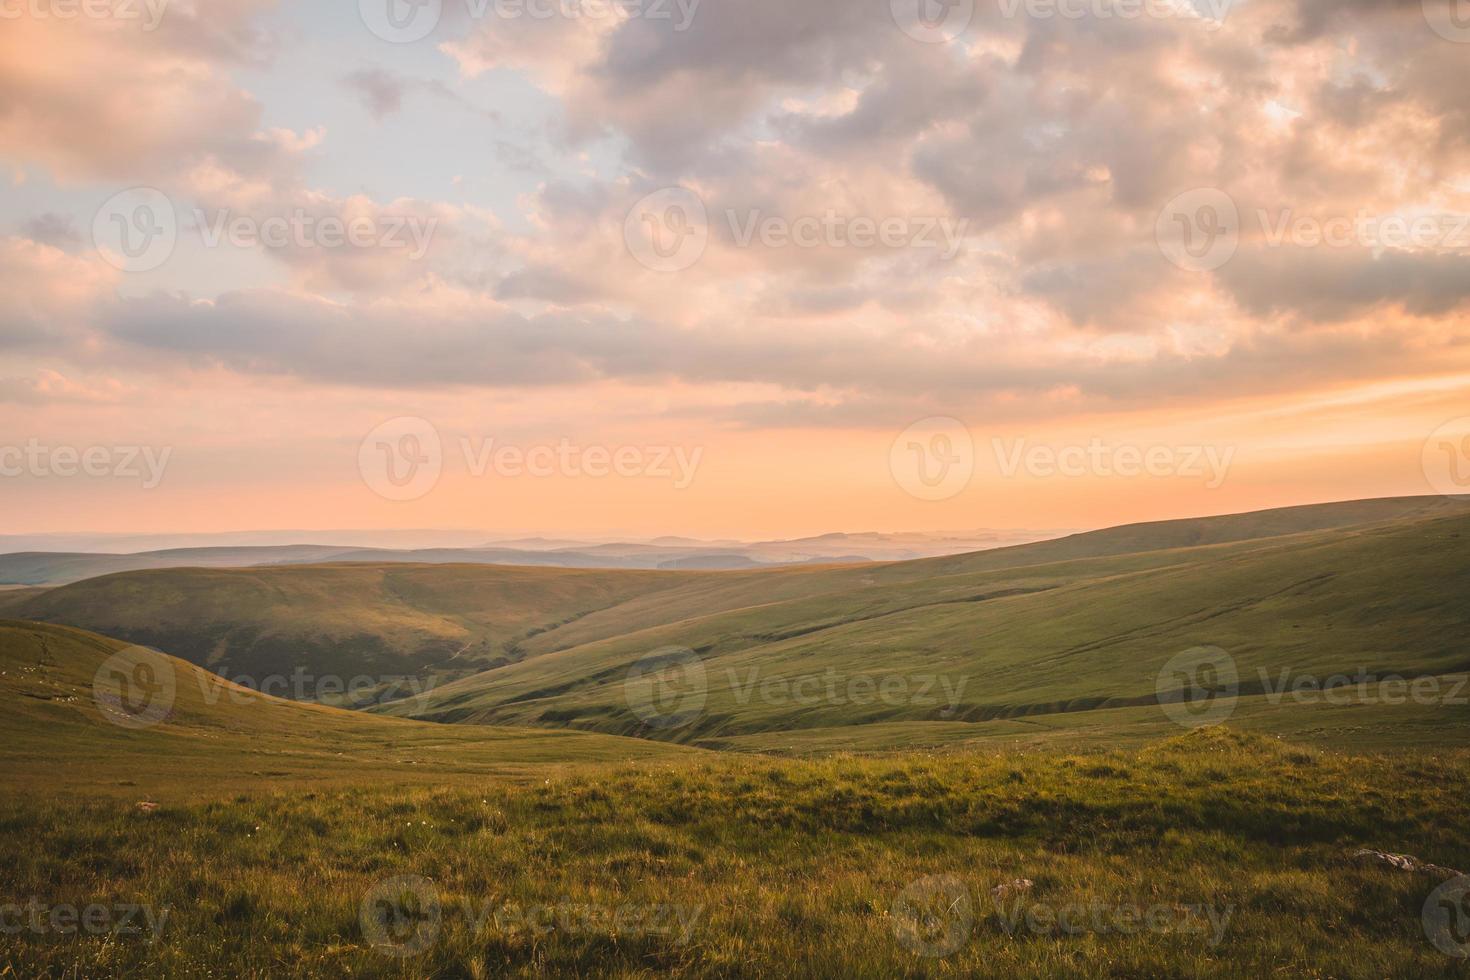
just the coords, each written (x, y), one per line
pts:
(52, 568)
(1033, 630)
(59, 568)
(244, 836)
(274, 834)
(1027, 641)
(58, 732)
(347, 620)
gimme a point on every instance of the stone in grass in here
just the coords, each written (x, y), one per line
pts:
(1403, 862)
(1000, 892)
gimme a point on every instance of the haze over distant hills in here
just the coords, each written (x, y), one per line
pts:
(60, 559)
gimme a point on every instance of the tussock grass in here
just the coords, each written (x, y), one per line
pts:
(781, 867)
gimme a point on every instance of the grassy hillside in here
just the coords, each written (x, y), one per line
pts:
(1211, 854)
(12, 596)
(1029, 641)
(346, 620)
(59, 568)
(1193, 532)
(255, 837)
(1377, 726)
(439, 623)
(217, 738)
(1159, 541)
(63, 568)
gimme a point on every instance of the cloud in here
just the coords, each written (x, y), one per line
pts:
(1056, 141)
(49, 300)
(439, 335)
(1333, 284)
(381, 91)
(49, 387)
(144, 103)
(52, 228)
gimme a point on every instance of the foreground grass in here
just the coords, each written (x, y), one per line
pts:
(1236, 848)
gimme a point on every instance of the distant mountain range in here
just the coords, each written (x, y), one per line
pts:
(33, 563)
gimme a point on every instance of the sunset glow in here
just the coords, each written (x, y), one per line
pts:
(1246, 235)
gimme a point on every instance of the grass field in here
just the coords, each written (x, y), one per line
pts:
(1210, 854)
(1140, 818)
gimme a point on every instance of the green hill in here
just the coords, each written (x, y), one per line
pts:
(1024, 642)
(57, 722)
(1029, 831)
(59, 568)
(346, 620)
(1035, 630)
(1154, 544)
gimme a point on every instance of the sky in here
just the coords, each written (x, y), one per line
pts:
(742, 269)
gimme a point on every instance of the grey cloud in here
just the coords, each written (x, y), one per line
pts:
(678, 94)
(549, 284)
(1307, 20)
(279, 334)
(274, 333)
(51, 228)
(380, 91)
(1098, 290)
(1331, 284)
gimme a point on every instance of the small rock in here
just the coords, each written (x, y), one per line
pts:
(1402, 862)
(1011, 888)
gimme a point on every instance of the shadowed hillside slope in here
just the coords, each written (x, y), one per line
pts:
(423, 620)
(92, 714)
